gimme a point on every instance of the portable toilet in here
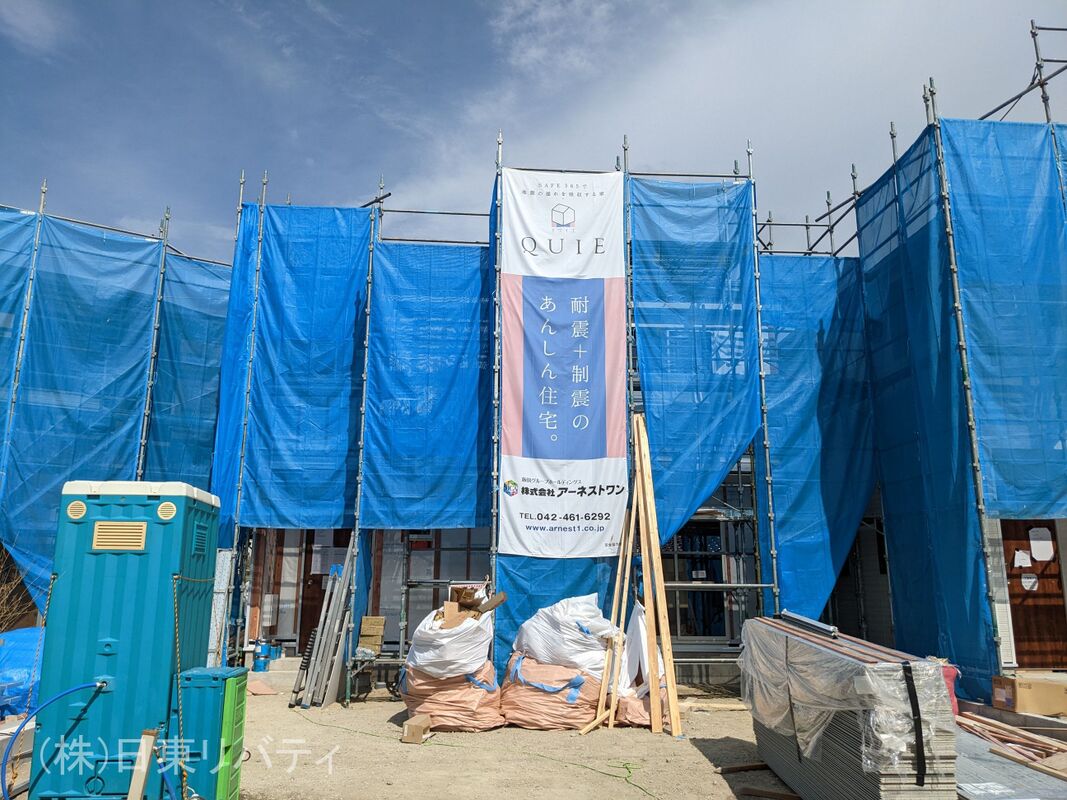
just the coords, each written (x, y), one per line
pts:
(129, 604)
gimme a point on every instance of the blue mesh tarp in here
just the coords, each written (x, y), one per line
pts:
(819, 419)
(303, 408)
(17, 230)
(364, 575)
(535, 583)
(233, 374)
(427, 449)
(83, 382)
(181, 436)
(1011, 249)
(693, 278)
(933, 535)
(19, 669)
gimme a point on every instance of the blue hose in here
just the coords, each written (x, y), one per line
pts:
(167, 782)
(98, 685)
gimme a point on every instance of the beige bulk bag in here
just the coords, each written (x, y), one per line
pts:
(461, 703)
(547, 697)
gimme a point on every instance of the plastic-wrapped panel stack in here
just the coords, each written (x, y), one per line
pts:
(837, 717)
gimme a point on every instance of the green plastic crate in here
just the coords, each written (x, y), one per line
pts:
(212, 728)
(233, 738)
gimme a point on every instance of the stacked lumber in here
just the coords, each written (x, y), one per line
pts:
(1016, 744)
(982, 775)
(837, 717)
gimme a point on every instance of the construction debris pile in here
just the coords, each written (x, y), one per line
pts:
(553, 679)
(557, 666)
(839, 717)
(448, 675)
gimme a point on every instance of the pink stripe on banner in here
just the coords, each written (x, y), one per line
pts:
(615, 365)
(511, 342)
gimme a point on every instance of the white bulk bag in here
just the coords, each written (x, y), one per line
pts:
(571, 633)
(446, 653)
(635, 656)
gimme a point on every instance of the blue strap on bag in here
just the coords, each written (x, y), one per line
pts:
(574, 684)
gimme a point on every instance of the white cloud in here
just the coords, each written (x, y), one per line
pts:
(814, 85)
(554, 36)
(35, 28)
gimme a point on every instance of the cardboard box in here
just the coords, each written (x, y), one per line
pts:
(465, 596)
(1032, 692)
(453, 612)
(417, 729)
(452, 615)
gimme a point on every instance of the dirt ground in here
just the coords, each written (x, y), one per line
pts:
(319, 754)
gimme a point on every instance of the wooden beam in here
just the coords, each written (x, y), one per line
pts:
(139, 774)
(606, 672)
(1055, 773)
(625, 561)
(769, 794)
(641, 487)
(597, 721)
(654, 563)
(730, 769)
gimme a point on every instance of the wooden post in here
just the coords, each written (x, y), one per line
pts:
(610, 651)
(140, 766)
(641, 486)
(627, 560)
(652, 563)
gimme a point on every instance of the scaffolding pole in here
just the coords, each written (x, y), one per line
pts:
(494, 529)
(631, 326)
(153, 357)
(27, 302)
(772, 541)
(240, 207)
(1042, 81)
(930, 99)
(246, 578)
(352, 553)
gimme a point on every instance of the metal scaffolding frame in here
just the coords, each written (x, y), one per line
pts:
(718, 649)
(150, 378)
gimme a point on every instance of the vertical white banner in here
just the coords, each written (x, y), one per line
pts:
(563, 468)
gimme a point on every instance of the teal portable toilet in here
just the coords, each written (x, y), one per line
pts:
(129, 604)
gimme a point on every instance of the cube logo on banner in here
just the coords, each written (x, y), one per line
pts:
(563, 467)
(562, 216)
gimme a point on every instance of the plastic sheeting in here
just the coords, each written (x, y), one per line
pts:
(428, 444)
(1011, 249)
(303, 413)
(819, 419)
(794, 686)
(83, 381)
(181, 436)
(933, 538)
(19, 651)
(695, 312)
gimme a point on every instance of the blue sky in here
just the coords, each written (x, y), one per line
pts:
(129, 106)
